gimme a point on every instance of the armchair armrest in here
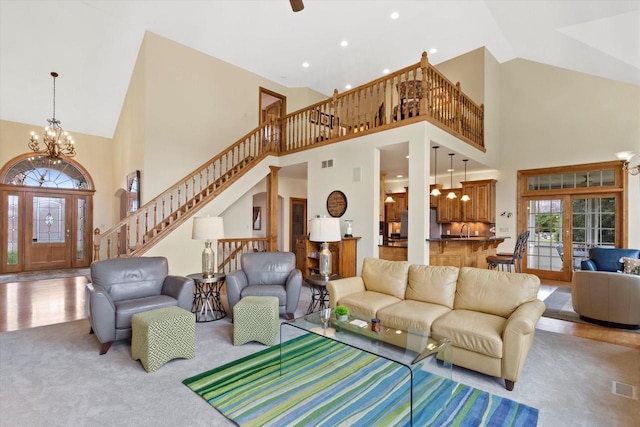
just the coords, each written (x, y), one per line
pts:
(180, 288)
(293, 286)
(102, 313)
(236, 282)
(588, 264)
(518, 337)
(340, 288)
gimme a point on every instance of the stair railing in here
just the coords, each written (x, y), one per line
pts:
(140, 230)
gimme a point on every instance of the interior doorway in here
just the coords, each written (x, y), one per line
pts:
(272, 105)
(298, 221)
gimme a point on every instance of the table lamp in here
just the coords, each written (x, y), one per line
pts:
(209, 229)
(324, 230)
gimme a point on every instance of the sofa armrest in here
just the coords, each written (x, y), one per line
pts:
(236, 282)
(180, 288)
(102, 313)
(518, 336)
(588, 264)
(340, 288)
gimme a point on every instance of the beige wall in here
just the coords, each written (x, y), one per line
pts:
(555, 117)
(93, 153)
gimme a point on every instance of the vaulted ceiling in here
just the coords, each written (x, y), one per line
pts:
(93, 44)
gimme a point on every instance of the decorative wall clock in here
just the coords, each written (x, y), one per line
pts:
(336, 203)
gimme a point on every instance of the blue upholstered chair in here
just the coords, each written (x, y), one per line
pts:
(607, 259)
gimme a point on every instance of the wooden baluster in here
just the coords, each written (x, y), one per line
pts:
(137, 231)
(146, 222)
(108, 248)
(118, 248)
(128, 239)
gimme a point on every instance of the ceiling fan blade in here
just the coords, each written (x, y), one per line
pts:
(296, 5)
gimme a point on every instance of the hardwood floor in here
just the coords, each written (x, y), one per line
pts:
(45, 302)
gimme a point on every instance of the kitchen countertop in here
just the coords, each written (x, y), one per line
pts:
(396, 244)
(467, 239)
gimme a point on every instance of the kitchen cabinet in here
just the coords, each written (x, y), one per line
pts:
(449, 210)
(399, 204)
(343, 256)
(482, 206)
(434, 200)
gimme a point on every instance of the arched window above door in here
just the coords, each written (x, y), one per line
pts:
(40, 171)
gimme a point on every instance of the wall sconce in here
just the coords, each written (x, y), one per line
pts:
(626, 156)
(508, 214)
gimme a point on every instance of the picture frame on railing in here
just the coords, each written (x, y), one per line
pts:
(328, 120)
(313, 116)
(257, 218)
(133, 191)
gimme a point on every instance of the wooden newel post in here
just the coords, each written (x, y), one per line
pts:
(272, 209)
(96, 245)
(424, 66)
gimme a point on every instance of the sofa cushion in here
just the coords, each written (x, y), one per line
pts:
(410, 315)
(385, 277)
(471, 330)
(494, 292)
(366, 304)
(434, 284)
(126, 309)
(266, 291)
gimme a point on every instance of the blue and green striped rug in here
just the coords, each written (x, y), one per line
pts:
(326, 383)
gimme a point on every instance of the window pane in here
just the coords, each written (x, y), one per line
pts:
(12, 229)
(80, 251)
(608, 177)
(48, 220)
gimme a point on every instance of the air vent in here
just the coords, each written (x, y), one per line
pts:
(327, 163)
(625, 390)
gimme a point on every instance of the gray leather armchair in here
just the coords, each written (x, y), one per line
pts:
(266, 274)
(122, 287)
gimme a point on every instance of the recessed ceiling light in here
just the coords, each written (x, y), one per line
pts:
(433, 50)
(347, 87)
(399, 176)
(305, 64)
(385, 71)
(407, 156)
(344, 43)
(450, 170)
(395, 15)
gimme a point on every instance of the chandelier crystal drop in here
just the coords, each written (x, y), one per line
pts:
(57, 142)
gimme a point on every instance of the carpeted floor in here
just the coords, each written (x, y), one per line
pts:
(54, 376)
(559, 306)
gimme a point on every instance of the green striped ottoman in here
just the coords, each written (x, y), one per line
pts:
(163, 334)
(256, 319)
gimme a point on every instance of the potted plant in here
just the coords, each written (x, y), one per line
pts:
(342, 313)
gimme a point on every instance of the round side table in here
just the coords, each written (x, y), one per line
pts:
(319, 294)
(207, 304)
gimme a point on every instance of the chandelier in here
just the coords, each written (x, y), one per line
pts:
(57, 142)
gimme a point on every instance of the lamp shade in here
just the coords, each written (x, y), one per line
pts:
(207, 228)
(324, 230)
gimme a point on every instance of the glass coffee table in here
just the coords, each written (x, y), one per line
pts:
(412, 350)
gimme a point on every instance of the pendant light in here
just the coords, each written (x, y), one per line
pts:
(451, 194)
(465, 197)
(435, 191)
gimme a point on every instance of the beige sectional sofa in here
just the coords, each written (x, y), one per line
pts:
(489, 316)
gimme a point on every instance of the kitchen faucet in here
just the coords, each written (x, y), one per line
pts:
(462, 228)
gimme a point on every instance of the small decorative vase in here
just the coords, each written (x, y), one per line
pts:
(342, 318)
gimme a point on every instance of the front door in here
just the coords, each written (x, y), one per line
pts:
(47, 234)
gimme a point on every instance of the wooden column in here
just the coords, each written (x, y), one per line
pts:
(272, 208)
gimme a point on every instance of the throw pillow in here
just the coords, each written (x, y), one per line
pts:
(631, 265)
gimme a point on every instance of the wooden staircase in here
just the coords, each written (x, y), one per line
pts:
(415, 93)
